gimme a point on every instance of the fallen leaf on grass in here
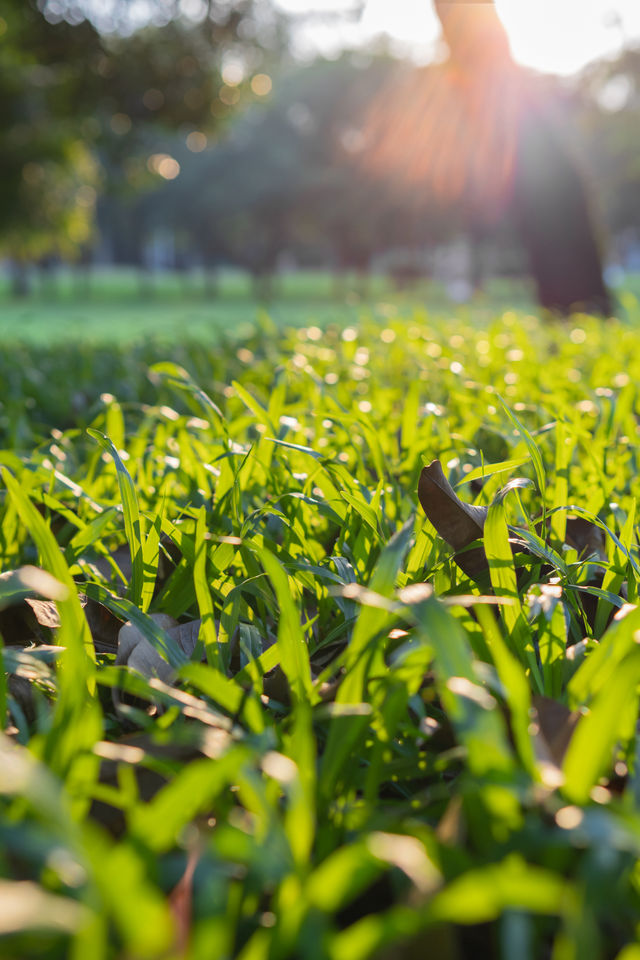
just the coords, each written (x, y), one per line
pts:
(553, 727)
(137, 652)
(103, 624)
(457, 522)
(587, 538)
(24, 618)
(17, 584)
(45, 611)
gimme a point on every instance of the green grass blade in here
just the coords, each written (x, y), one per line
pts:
(203, 593)
(294, 654)
(590, 750)
(492, 469)
(132, 523)
(125, 609)
(532, 447)
(503, 580)
(74, 632)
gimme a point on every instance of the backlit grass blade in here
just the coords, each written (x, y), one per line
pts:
(616, 571)
(151, 556)
(132, 524)
(342, 876)
(590, 751)
(492, 469)
(532, 447)
(177, 377)
(168, 649)
(471, 708)
(503, 580)
(90, 535)
(410, 417)
(73, 632)
(517, 691)
(262, 416)
(478, 896)
(158, 824)
(597, 670)
(294, 655)
(372, 619)
(564, 449)
(203, 593)
(254, 406)
(228, 694)
(15, 585)
(593, 518)
(76, 720)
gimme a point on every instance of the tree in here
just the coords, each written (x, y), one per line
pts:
(47, 172)
(541, 179)
(285, 178)
(487, 138)
(69, 92)
(609, 113)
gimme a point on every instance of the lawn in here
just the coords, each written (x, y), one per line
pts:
(322, 734)
(122, 306)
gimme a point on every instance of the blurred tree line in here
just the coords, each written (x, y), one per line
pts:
(88, 92)
(195, 139)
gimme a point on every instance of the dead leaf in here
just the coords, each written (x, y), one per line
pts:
(137, 652)
(122, 558)
(24, 617)
(45, 611)
(19, 688)
(29, 621)
(168, 558)
(103, 624)
(586, 538)
(457, 522)
(26, 581)
(276, 686)
(554, 725)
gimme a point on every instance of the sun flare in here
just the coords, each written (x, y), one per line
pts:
(560, 37)
(555, 36)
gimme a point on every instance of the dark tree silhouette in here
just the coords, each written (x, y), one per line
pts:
(486, 139)
(549, 198)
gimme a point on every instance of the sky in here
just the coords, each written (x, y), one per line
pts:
(555, 36)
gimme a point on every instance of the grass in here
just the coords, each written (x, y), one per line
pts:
(369, 754)
(119, 305)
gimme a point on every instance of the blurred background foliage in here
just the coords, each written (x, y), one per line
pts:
(188, 135)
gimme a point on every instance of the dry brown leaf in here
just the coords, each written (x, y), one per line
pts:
(20, 689)
(555, 725)
(586, 538)
(457, 522)
(122, 557)
(45, 612)
(20, 625)
(136, 651)
(103, 624)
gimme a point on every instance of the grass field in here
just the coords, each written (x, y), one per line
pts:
(123, 306)
(368, 753)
